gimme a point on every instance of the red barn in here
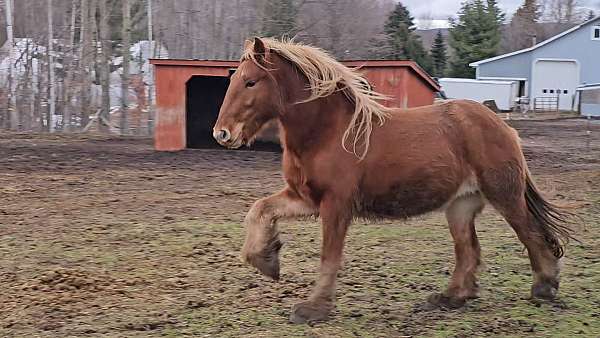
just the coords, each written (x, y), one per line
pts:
(189, 94)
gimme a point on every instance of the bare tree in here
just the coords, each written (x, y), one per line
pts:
(73, 51)
(84, 58)
(11, 101)
(151, 116)
(51, 77)
(26, 91)
(522, 31)
(105, 61)
(563, 11)
(70, 69)
(126, 34)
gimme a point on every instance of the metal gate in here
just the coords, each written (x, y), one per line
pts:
(546, 103)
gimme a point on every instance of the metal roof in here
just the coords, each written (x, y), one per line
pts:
(461, 80)
(194, 63)
(349, 63)
(589, 86)
(543, 43)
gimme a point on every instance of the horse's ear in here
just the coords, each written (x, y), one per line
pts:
(259, 46)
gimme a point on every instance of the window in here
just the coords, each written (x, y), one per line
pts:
(596, 33)
(565, 91)
(551, 91)
(545, 91)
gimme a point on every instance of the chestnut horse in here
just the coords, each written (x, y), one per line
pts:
(345, 155)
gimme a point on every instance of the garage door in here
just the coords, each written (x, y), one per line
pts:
(556, 79)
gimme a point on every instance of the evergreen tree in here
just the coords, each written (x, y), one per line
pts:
(493, 25)
(279, 18)
(523, 25)
(475, 35)
(398, 18)
(401, 40)
(438, 55)
(495, 13)
(591, 15)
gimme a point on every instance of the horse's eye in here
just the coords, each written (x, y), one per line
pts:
(250, 84)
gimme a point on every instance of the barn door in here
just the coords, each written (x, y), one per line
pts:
(555, 79)
(204, 97)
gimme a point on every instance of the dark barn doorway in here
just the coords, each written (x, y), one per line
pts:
(204, 97)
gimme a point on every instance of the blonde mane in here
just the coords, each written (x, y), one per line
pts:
(326, 76)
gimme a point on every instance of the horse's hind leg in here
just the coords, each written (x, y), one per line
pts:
(461, 215)
(505, 190)
(544, 264)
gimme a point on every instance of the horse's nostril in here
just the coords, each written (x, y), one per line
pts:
(222, 135)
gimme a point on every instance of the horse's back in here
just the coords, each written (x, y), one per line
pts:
(415, 164)
(422, 157)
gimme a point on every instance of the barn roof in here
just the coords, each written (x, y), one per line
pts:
(589, 86)
(543, 43)
(414, 67)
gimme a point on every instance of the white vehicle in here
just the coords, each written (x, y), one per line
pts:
(504, 93)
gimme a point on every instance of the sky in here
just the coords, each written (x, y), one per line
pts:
(440, 10)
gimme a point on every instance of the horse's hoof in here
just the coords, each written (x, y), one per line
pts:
(545, 291)
(309, 311)
(268, 266)
(266, 261)
(440, 300)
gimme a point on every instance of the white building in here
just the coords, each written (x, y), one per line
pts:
(550, 72)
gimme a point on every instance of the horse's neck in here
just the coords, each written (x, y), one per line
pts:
(308, 126)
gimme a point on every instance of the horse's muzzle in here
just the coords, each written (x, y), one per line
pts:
(222, 136)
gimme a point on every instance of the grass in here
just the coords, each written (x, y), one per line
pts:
(191, 283)
(155, 239)
(389, 272)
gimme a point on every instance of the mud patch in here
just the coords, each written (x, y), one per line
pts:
(103, 236)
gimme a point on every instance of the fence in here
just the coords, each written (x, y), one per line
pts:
(545, 103)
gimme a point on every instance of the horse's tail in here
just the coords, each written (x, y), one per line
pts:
(552, 221)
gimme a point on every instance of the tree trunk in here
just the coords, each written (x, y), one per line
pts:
(27, 81)
(13, 115)
(70, 69)
(51, 82)
(85, 62)
(125, 75)
(105, 66)
(39, 97)
(150, 71)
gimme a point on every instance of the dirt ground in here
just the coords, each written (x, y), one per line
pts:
(105, 237)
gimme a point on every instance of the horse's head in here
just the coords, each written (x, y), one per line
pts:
(251, 101)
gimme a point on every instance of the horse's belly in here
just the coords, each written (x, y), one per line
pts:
(409, 198)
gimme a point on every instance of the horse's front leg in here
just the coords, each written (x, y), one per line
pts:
(261, 247)
(335, 217)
